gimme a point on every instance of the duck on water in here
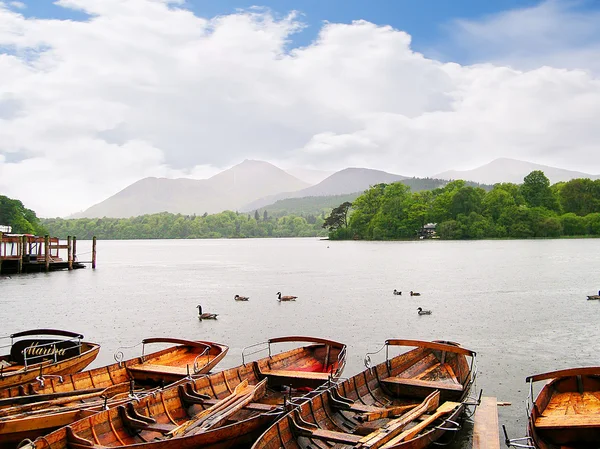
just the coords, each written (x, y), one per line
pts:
(423, 312)
(205, 316)
(396, 292)
(285, 298)
(241, 298)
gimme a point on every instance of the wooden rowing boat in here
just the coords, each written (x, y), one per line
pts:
(566, 412)
(45, 352)
(39, 407)
(408, 401)
(219, 410)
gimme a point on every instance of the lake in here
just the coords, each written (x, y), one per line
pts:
(520, 304)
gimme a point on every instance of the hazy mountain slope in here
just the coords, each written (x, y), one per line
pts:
(230, 189)
(349, 180)
(511, 170)
(310, 176)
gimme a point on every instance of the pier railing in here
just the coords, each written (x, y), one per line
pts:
(25, 253)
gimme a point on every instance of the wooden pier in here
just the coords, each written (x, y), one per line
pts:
(26, 253)
(486, 434)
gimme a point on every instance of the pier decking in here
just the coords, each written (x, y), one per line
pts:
(485, 429)
(26, 253)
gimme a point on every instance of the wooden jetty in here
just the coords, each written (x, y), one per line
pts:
(485, 428)
(27, 253)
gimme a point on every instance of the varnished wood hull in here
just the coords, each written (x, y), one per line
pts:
(177, 357)
(175, 407)
(342, 415)
(68, 366)
(59, 402)
(566, 411)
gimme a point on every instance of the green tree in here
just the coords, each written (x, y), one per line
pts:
(364, 209)
(580, 196)
(466, 200)
(21, 219)
(338, 217)
(537, 192)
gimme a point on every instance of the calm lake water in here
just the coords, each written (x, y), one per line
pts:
(520, 304)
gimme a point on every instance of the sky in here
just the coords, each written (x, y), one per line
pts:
(97, 94)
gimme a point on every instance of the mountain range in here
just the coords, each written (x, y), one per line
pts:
(252, 185)
(511, 170)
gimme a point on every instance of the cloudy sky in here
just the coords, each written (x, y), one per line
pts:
(96, 94)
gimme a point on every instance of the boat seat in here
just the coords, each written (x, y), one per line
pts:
(296, 374)
(568, 421)
(157, 369)
(419, 388)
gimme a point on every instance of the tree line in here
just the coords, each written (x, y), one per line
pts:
(19, 218)
(531, 209)
(164, 225)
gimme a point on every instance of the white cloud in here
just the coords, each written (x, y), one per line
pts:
(557, 33)
(18, 5)
(145, 88)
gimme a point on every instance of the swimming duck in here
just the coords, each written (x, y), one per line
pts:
(396, 292)
(205, 316)
(414, 293)
(424, 312)
(241, 298)
(285, 298)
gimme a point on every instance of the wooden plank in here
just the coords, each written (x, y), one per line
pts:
(151, 368)
(431, 345)
(568, 421)
(296, 374)
(384, 434)
(565, 373)
(443, 409)
(485, 425)
(424, 383)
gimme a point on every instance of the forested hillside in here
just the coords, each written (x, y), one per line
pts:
(21, 219)
(532, 209)
(176, 226)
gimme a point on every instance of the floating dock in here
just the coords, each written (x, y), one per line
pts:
(486, 434)
(26, 253)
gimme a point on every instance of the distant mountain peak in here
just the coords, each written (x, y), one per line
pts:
(511, 170)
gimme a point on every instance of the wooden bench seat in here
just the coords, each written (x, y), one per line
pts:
(568, 421)
(158, 369)
(418, 388)
(424, 383)
(297, 374)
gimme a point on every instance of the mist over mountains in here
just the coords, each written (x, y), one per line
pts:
(252, 185)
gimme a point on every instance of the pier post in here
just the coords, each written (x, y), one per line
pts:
(20, 252)
(47, 252)
(94, 253)
(69, 252)
(74, 249)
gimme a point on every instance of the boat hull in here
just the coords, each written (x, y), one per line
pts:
(566, 411)
(159, 420)
(380, 404)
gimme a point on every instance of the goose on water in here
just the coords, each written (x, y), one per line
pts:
(241, 298)
(285, 298)
(396, 292)
(424, 312)
(205, 316)
(414, 293)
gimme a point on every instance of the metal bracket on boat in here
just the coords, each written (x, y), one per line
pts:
(476, 402)
(26, 442)
(515, 442)
(452, 429)
(41, 379)
(105, 405)
(119, 356)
